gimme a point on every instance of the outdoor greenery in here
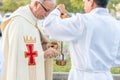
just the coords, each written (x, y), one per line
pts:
(115, 70)
(72, 6)
(66, 68)
(11, 5)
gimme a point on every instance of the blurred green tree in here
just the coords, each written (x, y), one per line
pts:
(11, 5)
(112, 5)
(77, 5)
(72, 5)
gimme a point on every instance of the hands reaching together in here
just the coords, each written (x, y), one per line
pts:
(51, 50)
(50, 53)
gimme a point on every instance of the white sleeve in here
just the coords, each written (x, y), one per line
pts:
(67, 29)
(117, 59)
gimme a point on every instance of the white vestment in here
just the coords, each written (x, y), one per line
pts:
(95, 42)
(24, 56)
(1, 58)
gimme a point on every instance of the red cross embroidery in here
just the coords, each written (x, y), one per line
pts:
(31, 54)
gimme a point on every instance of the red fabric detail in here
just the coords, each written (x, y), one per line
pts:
(31, 54)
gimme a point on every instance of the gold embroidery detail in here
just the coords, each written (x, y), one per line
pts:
(29, 39)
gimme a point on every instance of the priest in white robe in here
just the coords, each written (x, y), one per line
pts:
(22, 44)
(94, 39)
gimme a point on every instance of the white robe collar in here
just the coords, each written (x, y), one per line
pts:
(100, 11)
(26, 13)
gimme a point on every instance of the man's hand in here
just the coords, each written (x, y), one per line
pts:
(62, 9)
(50, 53)
(50, 49)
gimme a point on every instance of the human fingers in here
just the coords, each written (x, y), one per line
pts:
(55, 53)
(61, 7)
(50, 52)
(47, 53)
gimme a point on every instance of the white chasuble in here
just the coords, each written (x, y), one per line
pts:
(24, 57)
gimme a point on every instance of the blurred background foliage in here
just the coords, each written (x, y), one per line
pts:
(71, 5)
(66, 68)
(11, 5)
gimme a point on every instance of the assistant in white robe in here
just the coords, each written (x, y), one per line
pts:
(24, 56)
(94, 42)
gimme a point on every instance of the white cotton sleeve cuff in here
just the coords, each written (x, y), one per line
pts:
(55, 12)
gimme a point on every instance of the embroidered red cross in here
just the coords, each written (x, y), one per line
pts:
(31, 54)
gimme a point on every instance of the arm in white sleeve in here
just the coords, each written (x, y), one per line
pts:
(117, 60)
(63, 29)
